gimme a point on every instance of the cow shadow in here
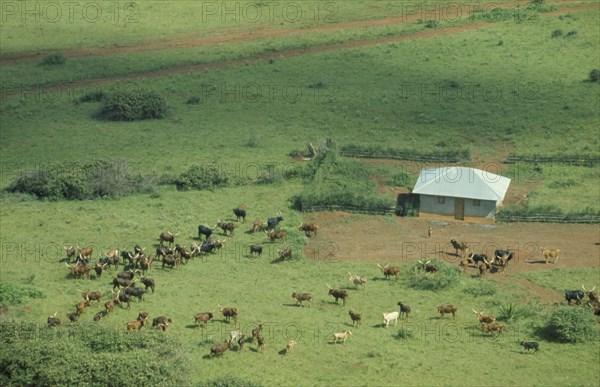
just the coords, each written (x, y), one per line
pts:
(292, 305)
(380, 325)
(537, 261)
(194, 326)
(283, 352)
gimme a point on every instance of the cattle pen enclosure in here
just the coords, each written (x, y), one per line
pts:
(506, 87)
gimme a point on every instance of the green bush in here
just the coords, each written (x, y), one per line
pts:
(55, 58)
(481, 288)
(446, 277)
(556, 33)
(93, 96)
(510, 312)
(134, 105)
(431, 23)
(573, 325)
(206, 176)
(228, 381)
(594, 75)
(72, 181)
(13, 294)
(89, 354)
(194, 100)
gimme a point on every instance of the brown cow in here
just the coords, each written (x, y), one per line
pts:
(442, 309)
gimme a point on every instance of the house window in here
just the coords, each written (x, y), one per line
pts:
(476, 203)
(441, 200)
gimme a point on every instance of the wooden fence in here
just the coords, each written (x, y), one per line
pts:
(548, 218)
(583, 160)
(352, 209)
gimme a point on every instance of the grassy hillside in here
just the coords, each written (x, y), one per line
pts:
(508, 87)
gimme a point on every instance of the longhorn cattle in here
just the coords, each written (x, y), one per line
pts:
(464, 263)
(170, 260)
(161, 322)
(205, 230)
(309, 229)
(138, 249)
(477, 258)
(491, 327)
(163, 252)
(257, 332)
(183, 253)
(342, 336)
(404, 309)
(484, 318)
(167, 237)
(459, 246)
(527, 345)
(574, 295)
(290, 346)
(146, 264)
(285, 253)
(99, 268)
(79, 270)
(110, 305)
(240, 213)
(593, 296)
(114, 261)
(86, 252)
(258, 249)
(355, 317)
(502, 257)
(234, 335)
(273, 222)
(70, 251)
(121, 283)
(229, 313)
(53, 321)
(261, 343)
(128, 275)
(148, 282)
(389, 271)
(72, 317)
(389, 317)
(428, 267)
(135, 292)
(484, 267)
(135, 325)
(338, 293)
(124, 298)
(357, 280)
(81, 306)
(226, 227)
(132, 258)
(443, 309)
(98, 316)
(203, 317)
(550, 253)
(300, 297)
(92, 296)
(258, 225)
(276, 234)
(218, 349)
(112, 253)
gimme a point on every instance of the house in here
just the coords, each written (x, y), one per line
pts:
(461, 193)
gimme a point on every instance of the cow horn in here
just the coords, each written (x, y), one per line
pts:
(105, 265)
(54, 315)
(379, 266)
(169, 232)
(428, 262)
(67, 265)
(420, 262)
(328, 286)
(476, 312)
(583, 287)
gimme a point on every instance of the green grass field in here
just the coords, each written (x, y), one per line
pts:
(508, 87)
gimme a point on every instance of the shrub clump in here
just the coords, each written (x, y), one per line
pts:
(134, 105)
(573, 325)
(134, 359)
(13, 294)
(594, 75)
(481, 288)
(55, 58)
(206, 176)
(73, 181)
(447, 276)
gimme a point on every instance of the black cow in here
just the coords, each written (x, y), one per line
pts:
(135, 292)
(502, 257)
(530, 345)
(574, 295)
(477, 258)
(273, 222)
(204, 230)
(240, 213)
(258, 249)
(114, 261)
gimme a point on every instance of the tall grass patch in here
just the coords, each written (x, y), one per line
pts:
(446, 277)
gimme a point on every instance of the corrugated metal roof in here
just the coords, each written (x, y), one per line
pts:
(462, 182)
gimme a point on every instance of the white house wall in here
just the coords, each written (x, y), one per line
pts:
(429, 204)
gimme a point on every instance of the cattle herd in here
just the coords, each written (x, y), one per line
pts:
(137, 264)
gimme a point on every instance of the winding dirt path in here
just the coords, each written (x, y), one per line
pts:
(424, 34)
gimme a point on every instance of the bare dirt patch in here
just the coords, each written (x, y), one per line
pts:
(345, 237)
